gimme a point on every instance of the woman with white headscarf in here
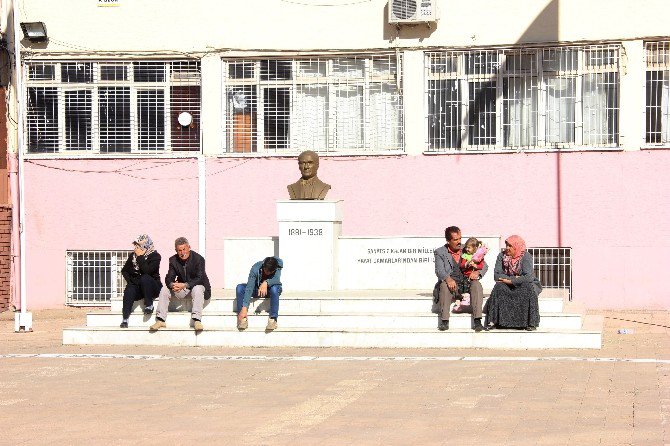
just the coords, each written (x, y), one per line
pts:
(142, 278)
(513, 302)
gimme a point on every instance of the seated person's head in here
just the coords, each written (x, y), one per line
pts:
(453, 236)
(182, 247)
(471, 245)
(269, 266)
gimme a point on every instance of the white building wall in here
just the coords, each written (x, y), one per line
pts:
(209, 25)
(212, 29)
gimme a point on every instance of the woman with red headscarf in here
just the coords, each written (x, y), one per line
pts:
(513, 302)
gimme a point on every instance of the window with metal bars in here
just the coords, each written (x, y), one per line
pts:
(553, 267)
(523, 98)
(112, 107)
(94, 277)
(657, 56)
(327, 104)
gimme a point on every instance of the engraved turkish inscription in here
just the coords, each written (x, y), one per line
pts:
(397, 255)
(309, 232)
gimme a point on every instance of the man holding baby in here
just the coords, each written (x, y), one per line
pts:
(452, 281)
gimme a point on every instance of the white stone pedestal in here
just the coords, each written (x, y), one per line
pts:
(308, 236)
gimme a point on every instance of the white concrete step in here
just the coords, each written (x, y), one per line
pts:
(295, 337)
(337, 302)
(423, 320)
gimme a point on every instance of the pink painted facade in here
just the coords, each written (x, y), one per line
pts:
(612, 208)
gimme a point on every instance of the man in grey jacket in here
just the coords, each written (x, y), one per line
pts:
(446, 288)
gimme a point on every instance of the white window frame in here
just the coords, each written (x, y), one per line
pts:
(541, 74)
(657, 61)
(329, 80)
(169, 81)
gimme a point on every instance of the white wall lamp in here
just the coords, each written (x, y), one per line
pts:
(185, 119)
(34, 31)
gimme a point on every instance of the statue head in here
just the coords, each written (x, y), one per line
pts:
(308, 163)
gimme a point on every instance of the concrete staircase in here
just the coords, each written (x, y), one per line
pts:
(401, 319)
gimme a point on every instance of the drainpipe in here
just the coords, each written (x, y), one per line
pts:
(202, 248)
(23, 321)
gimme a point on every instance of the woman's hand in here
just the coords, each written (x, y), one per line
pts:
(505, 281)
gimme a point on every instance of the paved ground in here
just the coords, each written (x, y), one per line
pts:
(54, 394)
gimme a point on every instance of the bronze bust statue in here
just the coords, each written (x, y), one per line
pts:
(309, 187)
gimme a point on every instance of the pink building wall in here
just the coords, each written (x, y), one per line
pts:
(612, 208)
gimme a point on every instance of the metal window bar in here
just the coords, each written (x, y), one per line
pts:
(657, 106)
(523, 98)
(112, 106)
(553, 267)
(93, 278)
(328, 104)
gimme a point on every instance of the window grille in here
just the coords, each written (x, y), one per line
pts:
(112, 107)
(553, 267)
(93, 278)
(345, 103)
(658, 93)
(523, 98)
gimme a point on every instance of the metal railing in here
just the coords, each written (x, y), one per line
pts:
(553, 266)
(94, 277)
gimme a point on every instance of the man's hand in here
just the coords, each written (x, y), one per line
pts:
(177, 286)
(474, 275)
(505, 281)
(139, 251)
(451, 284)
(263, 289)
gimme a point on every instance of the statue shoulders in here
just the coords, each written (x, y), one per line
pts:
(320, 184)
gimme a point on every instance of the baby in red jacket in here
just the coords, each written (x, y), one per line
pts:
(472, 260)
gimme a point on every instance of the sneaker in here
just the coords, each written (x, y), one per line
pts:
(124, 324)
(149, 310)
(443, 325)
(272, 324)
(157, 325)
(243, 324)
(197, 325)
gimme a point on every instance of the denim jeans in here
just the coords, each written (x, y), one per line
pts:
(274, 292)
(146, 289)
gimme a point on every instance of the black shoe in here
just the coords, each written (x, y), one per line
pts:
(149, 310)
(124, 324)
(531, 328)
(478, 325)
(443, 325)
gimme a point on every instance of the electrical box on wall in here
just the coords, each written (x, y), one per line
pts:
(408, 12)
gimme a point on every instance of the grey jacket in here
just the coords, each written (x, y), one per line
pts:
(526, 275)
(445, 265)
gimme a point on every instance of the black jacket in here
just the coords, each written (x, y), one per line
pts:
(192, 272)
(148, 265)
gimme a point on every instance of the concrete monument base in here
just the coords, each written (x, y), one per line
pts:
(308, 237)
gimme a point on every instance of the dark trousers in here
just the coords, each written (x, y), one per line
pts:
(476, 299)
(147, 288)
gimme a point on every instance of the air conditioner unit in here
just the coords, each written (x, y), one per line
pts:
(407, 12)
(185, 75)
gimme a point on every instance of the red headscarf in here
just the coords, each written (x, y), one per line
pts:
(512, 265)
